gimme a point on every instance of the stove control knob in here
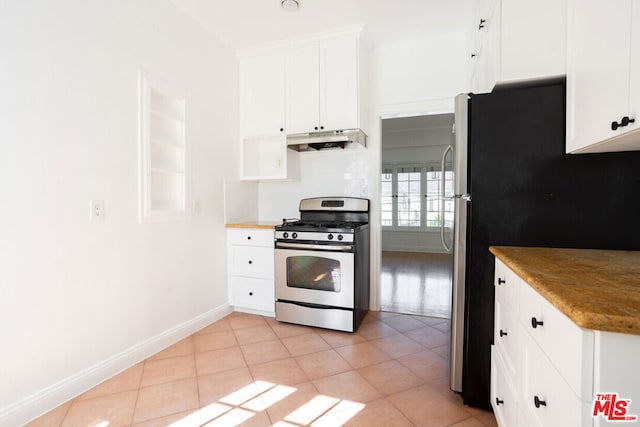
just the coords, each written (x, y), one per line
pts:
(330, 237)
(285, 235)
(294, 235)
(340, 237)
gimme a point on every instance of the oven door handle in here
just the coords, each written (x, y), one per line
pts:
(342, 248)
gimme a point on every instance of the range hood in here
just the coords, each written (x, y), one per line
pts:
(336, 139)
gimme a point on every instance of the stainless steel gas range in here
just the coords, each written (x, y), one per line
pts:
(322, 264)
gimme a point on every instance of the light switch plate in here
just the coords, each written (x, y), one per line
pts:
(97, 210)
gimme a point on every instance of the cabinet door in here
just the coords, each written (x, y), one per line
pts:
(545, 397)
(262, 86)
(339, 83)
(303, 89)
(486, 55)
(634, 69)
(598, 49)
(503, 394)
(569, 347)
(533, 38)
(506, 315)
(264, 157)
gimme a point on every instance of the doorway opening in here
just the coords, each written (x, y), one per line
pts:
(416, 269)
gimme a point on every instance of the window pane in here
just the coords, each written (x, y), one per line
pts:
(386, 199)
(433, 199)
(409, 199)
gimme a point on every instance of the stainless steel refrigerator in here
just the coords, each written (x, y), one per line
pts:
(515, 186)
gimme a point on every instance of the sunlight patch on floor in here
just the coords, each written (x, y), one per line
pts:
(239, 406)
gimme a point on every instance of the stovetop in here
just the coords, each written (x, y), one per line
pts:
(321, 226)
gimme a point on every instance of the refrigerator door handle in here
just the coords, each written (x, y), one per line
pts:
(447, 150)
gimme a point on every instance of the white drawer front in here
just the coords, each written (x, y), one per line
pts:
(539, 381)
(252, 261)
(503, 394)
(506, 334)
(569, 347)
(257, 294)
(250, 237)
(506, 284)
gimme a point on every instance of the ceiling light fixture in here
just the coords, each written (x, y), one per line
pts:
(290, 5)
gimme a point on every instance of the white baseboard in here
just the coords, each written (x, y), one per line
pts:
(43, 401)
(257, 312)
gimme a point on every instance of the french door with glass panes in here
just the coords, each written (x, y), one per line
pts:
(411, 196)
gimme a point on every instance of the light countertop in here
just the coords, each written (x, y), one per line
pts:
(596, 289)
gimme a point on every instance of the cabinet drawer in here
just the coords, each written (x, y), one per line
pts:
(545, 397)
(250, 237)
(569, 348)
(256, 294)
(251, 261)
(506, 334)
(503, 394)
(506, 284)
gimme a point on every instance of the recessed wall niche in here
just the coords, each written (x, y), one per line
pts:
(164, 152)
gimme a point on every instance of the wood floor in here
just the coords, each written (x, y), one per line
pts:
(416, 283)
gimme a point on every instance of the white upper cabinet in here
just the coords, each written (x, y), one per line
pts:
(516, 40)
(262, 93)
(533, 39)
(323, 85)
(603, 76)
(339, 83)
(485, 46)
(303, 89)
(262, 117)
(300, 86)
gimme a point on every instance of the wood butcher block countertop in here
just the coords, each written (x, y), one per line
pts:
(255, 224)
(597, 289)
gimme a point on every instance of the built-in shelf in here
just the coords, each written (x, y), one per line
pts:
(164, 152)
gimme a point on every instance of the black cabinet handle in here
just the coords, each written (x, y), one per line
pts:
(248, 237)
(624, 122)
(499, 402)
(481, 25)
(535, 322)
(315, 128)
(250, 294)
(473, 55)
(281, 129)
(250, 262)
(502, 333)
(321, 127)
(501, 281)
(538, 402)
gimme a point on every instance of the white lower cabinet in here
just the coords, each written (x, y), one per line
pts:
(545, 396)
(503, 392)
(250, 263)
(545, 370)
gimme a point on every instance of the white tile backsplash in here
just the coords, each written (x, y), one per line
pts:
(322, 173)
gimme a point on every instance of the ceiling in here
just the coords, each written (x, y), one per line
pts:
(244, 23)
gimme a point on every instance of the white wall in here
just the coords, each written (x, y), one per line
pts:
(78, 297)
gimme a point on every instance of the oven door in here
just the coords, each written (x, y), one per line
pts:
(314, 276)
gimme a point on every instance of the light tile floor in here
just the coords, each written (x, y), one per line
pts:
(254, 371)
